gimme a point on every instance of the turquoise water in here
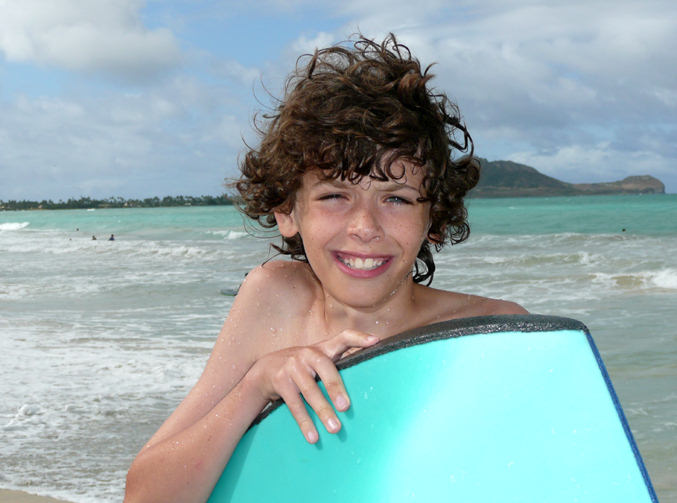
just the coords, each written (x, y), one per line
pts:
(181, 223)
(101, 339)
(646, 214)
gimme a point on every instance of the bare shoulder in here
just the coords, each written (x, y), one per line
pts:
(445, 305)
(499, 306)
(279, 284)
(272, 300)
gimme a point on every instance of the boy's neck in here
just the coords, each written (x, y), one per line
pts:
(385, 320)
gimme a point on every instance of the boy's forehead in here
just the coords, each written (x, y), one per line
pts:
(401, 171)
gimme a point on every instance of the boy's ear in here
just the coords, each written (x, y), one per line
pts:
(435, 238)
(286, 223)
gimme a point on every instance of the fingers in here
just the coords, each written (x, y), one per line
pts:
(294, 376)
(300, 413)
(333, 383)
(334, 348)
(297, 378)
(312, 363)
(337, 345)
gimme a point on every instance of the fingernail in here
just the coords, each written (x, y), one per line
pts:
(341, 402)
(333, 424)
(371, 339)
(311, 436)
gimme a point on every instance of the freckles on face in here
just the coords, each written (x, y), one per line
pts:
(366, 230)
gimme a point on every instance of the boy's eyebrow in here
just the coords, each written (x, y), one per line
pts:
(396, 186)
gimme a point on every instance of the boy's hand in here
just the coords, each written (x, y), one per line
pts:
(291, 372)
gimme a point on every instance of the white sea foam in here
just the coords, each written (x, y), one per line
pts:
(13, 226)
(229, 233)
(637, 281)
(236, 234)
(76, 385)
(666, 278)
(14, 291)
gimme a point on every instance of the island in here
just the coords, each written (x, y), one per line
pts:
(511, 179)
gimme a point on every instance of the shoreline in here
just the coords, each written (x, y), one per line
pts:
(12, 496)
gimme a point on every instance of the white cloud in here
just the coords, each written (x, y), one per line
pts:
(236, 71)
(177, 139)
(105, 36)
(306, 45)
(595, 163)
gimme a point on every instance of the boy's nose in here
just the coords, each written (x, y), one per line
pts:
(364, 224)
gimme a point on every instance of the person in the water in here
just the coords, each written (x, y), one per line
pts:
(363, 169)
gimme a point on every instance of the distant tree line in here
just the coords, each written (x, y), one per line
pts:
(117, 202)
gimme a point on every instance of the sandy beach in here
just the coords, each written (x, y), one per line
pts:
(7, 496)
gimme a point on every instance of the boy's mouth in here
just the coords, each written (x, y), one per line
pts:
(361, 263)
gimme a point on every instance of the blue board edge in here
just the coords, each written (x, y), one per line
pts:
(621, 416)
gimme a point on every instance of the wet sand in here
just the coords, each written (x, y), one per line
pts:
(7, 496)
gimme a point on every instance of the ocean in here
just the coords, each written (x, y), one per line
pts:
(100, 340)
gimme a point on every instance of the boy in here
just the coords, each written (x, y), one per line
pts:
(355, 169)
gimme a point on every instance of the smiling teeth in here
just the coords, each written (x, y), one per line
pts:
(366, 264)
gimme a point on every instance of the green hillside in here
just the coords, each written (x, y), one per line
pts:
(511, 179)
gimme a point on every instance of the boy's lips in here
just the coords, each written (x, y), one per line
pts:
(362, 265)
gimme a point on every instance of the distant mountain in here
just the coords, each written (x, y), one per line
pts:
(511, 179)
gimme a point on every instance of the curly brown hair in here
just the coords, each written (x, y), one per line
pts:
(350, 110)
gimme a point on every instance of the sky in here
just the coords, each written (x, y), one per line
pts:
(135, 99)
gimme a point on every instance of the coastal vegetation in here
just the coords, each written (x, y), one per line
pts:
(117, 202)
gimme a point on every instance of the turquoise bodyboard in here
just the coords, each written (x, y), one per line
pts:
(497, 408)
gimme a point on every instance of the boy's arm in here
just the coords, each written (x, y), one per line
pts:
(183, 459)
(185, 467)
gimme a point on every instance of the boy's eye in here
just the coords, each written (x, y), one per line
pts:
(397, 200)
(329, 197)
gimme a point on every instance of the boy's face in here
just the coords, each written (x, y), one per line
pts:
(361, 240)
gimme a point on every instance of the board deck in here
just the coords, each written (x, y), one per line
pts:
(495, 408)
